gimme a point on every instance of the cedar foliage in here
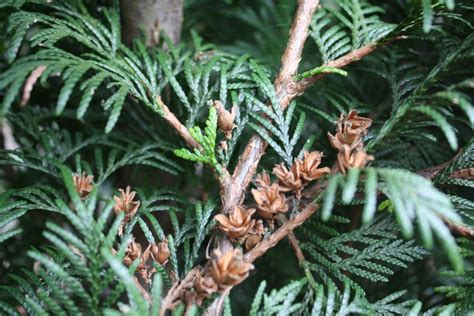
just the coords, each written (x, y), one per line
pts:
(390, 238)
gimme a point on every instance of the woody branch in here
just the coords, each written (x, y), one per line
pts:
(284, 85)
(287, 88)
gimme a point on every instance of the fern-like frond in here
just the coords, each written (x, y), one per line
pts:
(351, 25)
(371, 252)
(411, 198)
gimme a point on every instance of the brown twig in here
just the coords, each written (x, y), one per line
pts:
(290, 60)
(173, 121)
(294, 243)
(460, 229)
(281, 232)
(30, 82)
(343, 61)
(284, 86)
(431, 173)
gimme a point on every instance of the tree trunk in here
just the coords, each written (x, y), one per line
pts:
(151, 17)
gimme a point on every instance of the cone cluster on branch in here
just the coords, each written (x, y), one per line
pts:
(301, 172)
(157, 252)
(349, 141)
(83, 184)
(223, 271)
(270, 199)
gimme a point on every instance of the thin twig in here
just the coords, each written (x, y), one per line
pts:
(281, 232)
(343, 61)
(460, 229)
(284, 82)
(431, 173)
(294, 243)
(173, 121)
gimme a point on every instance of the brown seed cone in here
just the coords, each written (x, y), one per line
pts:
(237, 224)
(347, 158)
(229, 269)
(225, 119)
(160, 252)
(309, 166)
(355, 123)
(270, 201)
(350, 130)
(290, 180)
(255, 235)
(205, 285)
(134, 251)
(83, 184)
(125, 203)
(263, 180)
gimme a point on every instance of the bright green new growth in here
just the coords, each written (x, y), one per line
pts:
(206, 154)
(321, 70)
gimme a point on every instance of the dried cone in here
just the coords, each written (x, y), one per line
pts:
(355, 123)
(134, 251)
(237, 224)
(270, 201)
(350, 130)
(142, 268)
(290, 180)
(347, 158)
(229, 269)
(255, 235)
(309, 166)
(83, 184)
(160, 252)
(263, 180)
(205, 285)
(225, 119)
(125, 203)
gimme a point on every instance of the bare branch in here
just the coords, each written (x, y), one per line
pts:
(284, 83)
(460, 229)
(281, 232)
(345, 60)
(284, 86)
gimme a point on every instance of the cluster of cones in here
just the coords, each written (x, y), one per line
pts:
(126, 203)
(270, 199)
(349, 142)
(158, 253)
(228, 269)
